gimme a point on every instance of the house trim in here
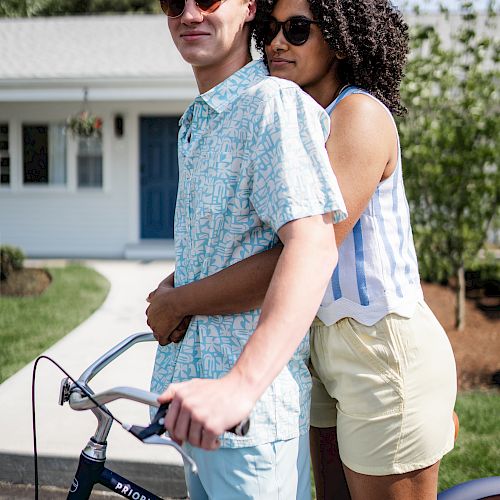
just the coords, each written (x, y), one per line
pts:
(68, 90)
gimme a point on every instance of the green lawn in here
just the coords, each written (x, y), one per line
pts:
(29, 325)
(477, 450)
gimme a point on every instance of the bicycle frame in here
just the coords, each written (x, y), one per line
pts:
(91, 469)
(91, 472)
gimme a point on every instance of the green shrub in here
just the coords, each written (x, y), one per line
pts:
(11, 259)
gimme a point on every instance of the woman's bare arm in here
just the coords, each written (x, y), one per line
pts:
(362, 148)
(237, 288)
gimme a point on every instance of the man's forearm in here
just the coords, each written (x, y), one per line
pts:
(238, 288)
(297, 287)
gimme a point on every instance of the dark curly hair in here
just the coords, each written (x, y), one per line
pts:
(371, 34)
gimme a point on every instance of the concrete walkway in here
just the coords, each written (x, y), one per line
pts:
(62, 432)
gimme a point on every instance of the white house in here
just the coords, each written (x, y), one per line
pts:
(107, 197)
(111, 196)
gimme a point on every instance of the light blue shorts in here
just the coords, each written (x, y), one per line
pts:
(273, 471)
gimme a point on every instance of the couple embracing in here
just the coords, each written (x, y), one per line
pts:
(296, 296)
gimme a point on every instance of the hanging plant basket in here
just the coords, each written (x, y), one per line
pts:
(84, 124)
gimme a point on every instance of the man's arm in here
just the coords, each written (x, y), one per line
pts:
(237, 288)
(200, 410)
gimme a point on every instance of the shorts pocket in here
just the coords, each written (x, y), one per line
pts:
(370, 383)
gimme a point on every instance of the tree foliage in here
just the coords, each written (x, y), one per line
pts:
(450, 141)
(29, 8)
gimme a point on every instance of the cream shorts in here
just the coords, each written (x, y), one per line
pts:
(389, 388)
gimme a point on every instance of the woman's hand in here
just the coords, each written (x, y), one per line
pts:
(168, 282)
(164, 316)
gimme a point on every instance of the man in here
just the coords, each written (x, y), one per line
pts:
(253, 169)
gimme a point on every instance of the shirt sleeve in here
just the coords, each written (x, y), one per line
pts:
(292, 176)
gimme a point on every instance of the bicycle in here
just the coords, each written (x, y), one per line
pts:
(91, 468)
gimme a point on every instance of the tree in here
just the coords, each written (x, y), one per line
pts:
(450, 142)
(28, 8)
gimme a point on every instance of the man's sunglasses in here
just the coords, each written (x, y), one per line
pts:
(295, 29)
(175, 8)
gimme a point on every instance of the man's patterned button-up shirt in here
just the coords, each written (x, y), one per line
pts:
(252, 157)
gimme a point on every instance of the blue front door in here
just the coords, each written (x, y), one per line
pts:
(159, 176)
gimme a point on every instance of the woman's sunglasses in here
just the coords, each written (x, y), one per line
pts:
(295, 29)
(175, 8)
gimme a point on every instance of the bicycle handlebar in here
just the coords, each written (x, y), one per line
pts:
(78, 401)
(112, 354)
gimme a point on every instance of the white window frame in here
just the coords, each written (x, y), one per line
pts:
(90, 187)
(16, 153)
(44, 185)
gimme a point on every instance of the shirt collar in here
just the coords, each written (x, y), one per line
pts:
(226, 92)
(231, 88)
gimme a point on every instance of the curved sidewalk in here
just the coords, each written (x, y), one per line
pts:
(62, 432)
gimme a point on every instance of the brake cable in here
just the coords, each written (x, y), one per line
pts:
(33, 409)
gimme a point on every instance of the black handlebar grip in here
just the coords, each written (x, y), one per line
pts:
(240, 430)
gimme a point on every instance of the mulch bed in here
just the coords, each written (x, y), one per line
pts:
(25, 282)
(477, 347)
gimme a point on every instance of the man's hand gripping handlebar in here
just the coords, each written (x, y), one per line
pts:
(157, 426)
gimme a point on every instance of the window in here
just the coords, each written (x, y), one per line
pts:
(44, 154)
(89, 162)
(4, 155)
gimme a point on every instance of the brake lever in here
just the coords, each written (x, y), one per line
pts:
(153, 432)
(157, 425)
(168, 441)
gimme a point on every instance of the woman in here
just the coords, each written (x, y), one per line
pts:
(380, 420)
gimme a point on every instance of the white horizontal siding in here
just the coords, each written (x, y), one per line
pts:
(66, 221)
(64, 226)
